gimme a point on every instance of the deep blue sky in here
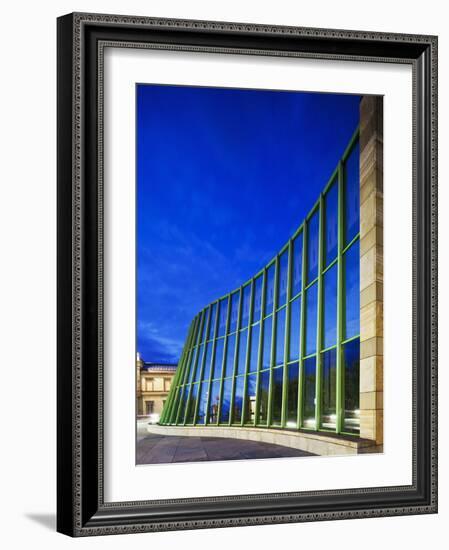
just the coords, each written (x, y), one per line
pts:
(224, 177)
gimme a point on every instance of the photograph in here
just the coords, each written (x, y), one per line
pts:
(259, 274)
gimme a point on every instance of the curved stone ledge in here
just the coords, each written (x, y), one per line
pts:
(318, 443)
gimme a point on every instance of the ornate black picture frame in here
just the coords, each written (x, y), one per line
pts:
(81, 509)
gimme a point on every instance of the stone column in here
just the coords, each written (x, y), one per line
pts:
(371, 268)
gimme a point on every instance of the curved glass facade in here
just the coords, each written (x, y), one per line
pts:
(283, 349)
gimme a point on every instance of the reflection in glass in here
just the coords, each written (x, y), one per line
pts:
(257, 298)
(352, 196)
(238, 399)
(351, 270)
(218, 361)
(292, 395)
(192, 403)
(311, 318)
(234, 311)
(205, 322)
(312, 247)
(199, 362)
(309, 392)
(294, 339)
(277, 394)
(282, 277)
(331, 224)
(266, 355)
(296, 264)
(241, 364)
(222, 316)
(351, 361)
(202, 403)
(330, 307)
(280, 336)
(245, 306)
(328, 389)
(207, 363)
(254, 352)
(269, 291)
(214, 402)
(190, 371)
(250, 400)
(182, 404)
(264, 382)
(229, 365)
(226, 401)
(212, 323)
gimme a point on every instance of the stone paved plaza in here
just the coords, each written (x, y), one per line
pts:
(159, 449)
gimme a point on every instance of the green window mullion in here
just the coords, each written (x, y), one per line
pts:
(176, 409)
(203, 364)
(302, 327)
(225, 353)
(273, 342)
(261, 339)
(248, 347)
(319, 317)
(287, 336)
(166, 412)
(236, 354)
(339, 364)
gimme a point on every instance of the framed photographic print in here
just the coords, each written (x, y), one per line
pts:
(247, 287)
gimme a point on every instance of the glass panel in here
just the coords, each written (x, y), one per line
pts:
(241, 365)
(238, 399)
(174, 411)
(277, 394)
(202, 404)
(222, 316)
(218, 361)
(269, 292)
(229, 366)
(214, 402)
(309, 392)
(351, 267)
(282, 278)
(255, 330)
(294, 341)
(312, 247)
(234, 311)
(245, 306)
(250, 401)
(351, 360)
(192, 402)
(226, 401)
(207, 364)
(311, 319)
(257, 298)
(328, 389)
(331, 224)
(267, 328)
(280, 336)
(264, 383)
(199, 352)
(292, 395)
(330, 307)
(204, 327)
(352, 195)
(182, 405)
(297, 265)
(191, 368)
(213, 319)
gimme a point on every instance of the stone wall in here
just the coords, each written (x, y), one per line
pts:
(371, 268)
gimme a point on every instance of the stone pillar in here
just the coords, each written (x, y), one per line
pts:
(371, 268)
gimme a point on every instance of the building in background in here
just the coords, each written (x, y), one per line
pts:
(300, 345)
(153, 385)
